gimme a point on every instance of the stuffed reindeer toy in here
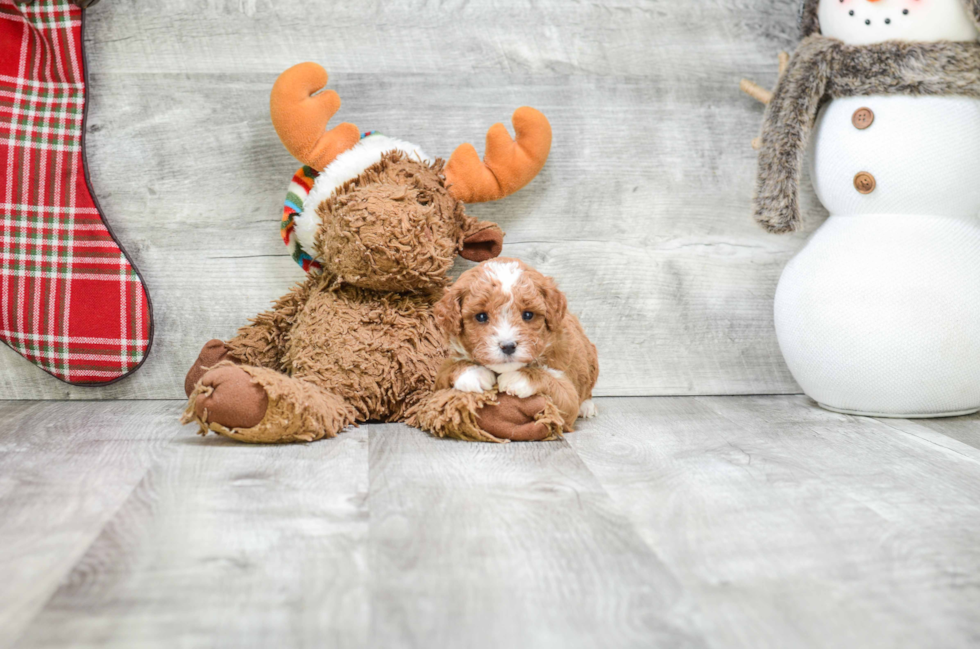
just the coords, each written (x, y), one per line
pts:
(379, 229)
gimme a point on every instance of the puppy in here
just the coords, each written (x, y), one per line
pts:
(508, 325)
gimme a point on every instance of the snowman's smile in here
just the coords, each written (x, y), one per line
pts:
(869, 16)
(864, 22)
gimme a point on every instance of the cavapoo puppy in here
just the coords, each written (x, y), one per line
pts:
(508, 325)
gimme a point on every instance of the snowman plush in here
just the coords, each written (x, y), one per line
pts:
(879, 313)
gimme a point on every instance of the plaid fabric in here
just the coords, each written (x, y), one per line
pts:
(70, 301)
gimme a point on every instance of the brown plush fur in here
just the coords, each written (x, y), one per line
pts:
(395, 228)
(298, 410)
(557, 358)
(358, 342)
(824, 68)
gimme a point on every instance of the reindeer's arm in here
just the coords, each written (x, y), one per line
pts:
(263, 342)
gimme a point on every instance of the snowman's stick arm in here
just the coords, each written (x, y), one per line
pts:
(755, 91)
(783, 62)
(760, 94)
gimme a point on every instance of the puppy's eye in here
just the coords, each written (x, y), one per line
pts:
(528, 316)
(482, 317)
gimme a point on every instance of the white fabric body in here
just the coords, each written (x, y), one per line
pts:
(880, 311)
(924, 153)
(347, 166)
(863, 22)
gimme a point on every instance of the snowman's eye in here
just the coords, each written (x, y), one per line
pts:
(905, 12)
(850, 13)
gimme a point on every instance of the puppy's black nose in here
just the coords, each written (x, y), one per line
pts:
(508, 348)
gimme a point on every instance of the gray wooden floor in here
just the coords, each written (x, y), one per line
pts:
(686, 521)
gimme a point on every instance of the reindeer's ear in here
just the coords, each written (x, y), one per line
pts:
(556, 306)
(482, 240)
(448, 311)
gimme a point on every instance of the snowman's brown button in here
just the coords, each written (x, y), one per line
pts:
(862, 118)
(864, 182)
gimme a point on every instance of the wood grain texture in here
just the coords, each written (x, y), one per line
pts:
(476, 545)
(642, 212)
(65, 470)
(797, 527)
(965, 430)
(225, 545)
(676, 522)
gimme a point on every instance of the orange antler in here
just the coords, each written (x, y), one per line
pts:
(508, 164)
(300, 117)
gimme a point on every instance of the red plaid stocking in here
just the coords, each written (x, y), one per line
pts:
(70, 300)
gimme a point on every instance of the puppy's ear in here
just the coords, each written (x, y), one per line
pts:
(448, 311)
(482, 240)
(556, 306)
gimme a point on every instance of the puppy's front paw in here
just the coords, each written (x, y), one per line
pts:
(587, 410)
(475, 379)
(516, 384)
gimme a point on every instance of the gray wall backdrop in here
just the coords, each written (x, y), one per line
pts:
(642, 212)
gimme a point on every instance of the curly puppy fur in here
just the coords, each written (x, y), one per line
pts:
(509, 324)
(822, 69)
(359, 342)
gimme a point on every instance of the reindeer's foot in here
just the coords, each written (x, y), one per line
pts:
(488, 417)
(259, 405)
(226, 399)
(516, 419)
(213, 352)
(230, 398)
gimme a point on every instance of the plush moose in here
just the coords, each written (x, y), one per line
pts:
(357, 341)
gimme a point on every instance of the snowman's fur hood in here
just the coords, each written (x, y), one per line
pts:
(810, 22)
(825, 68)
